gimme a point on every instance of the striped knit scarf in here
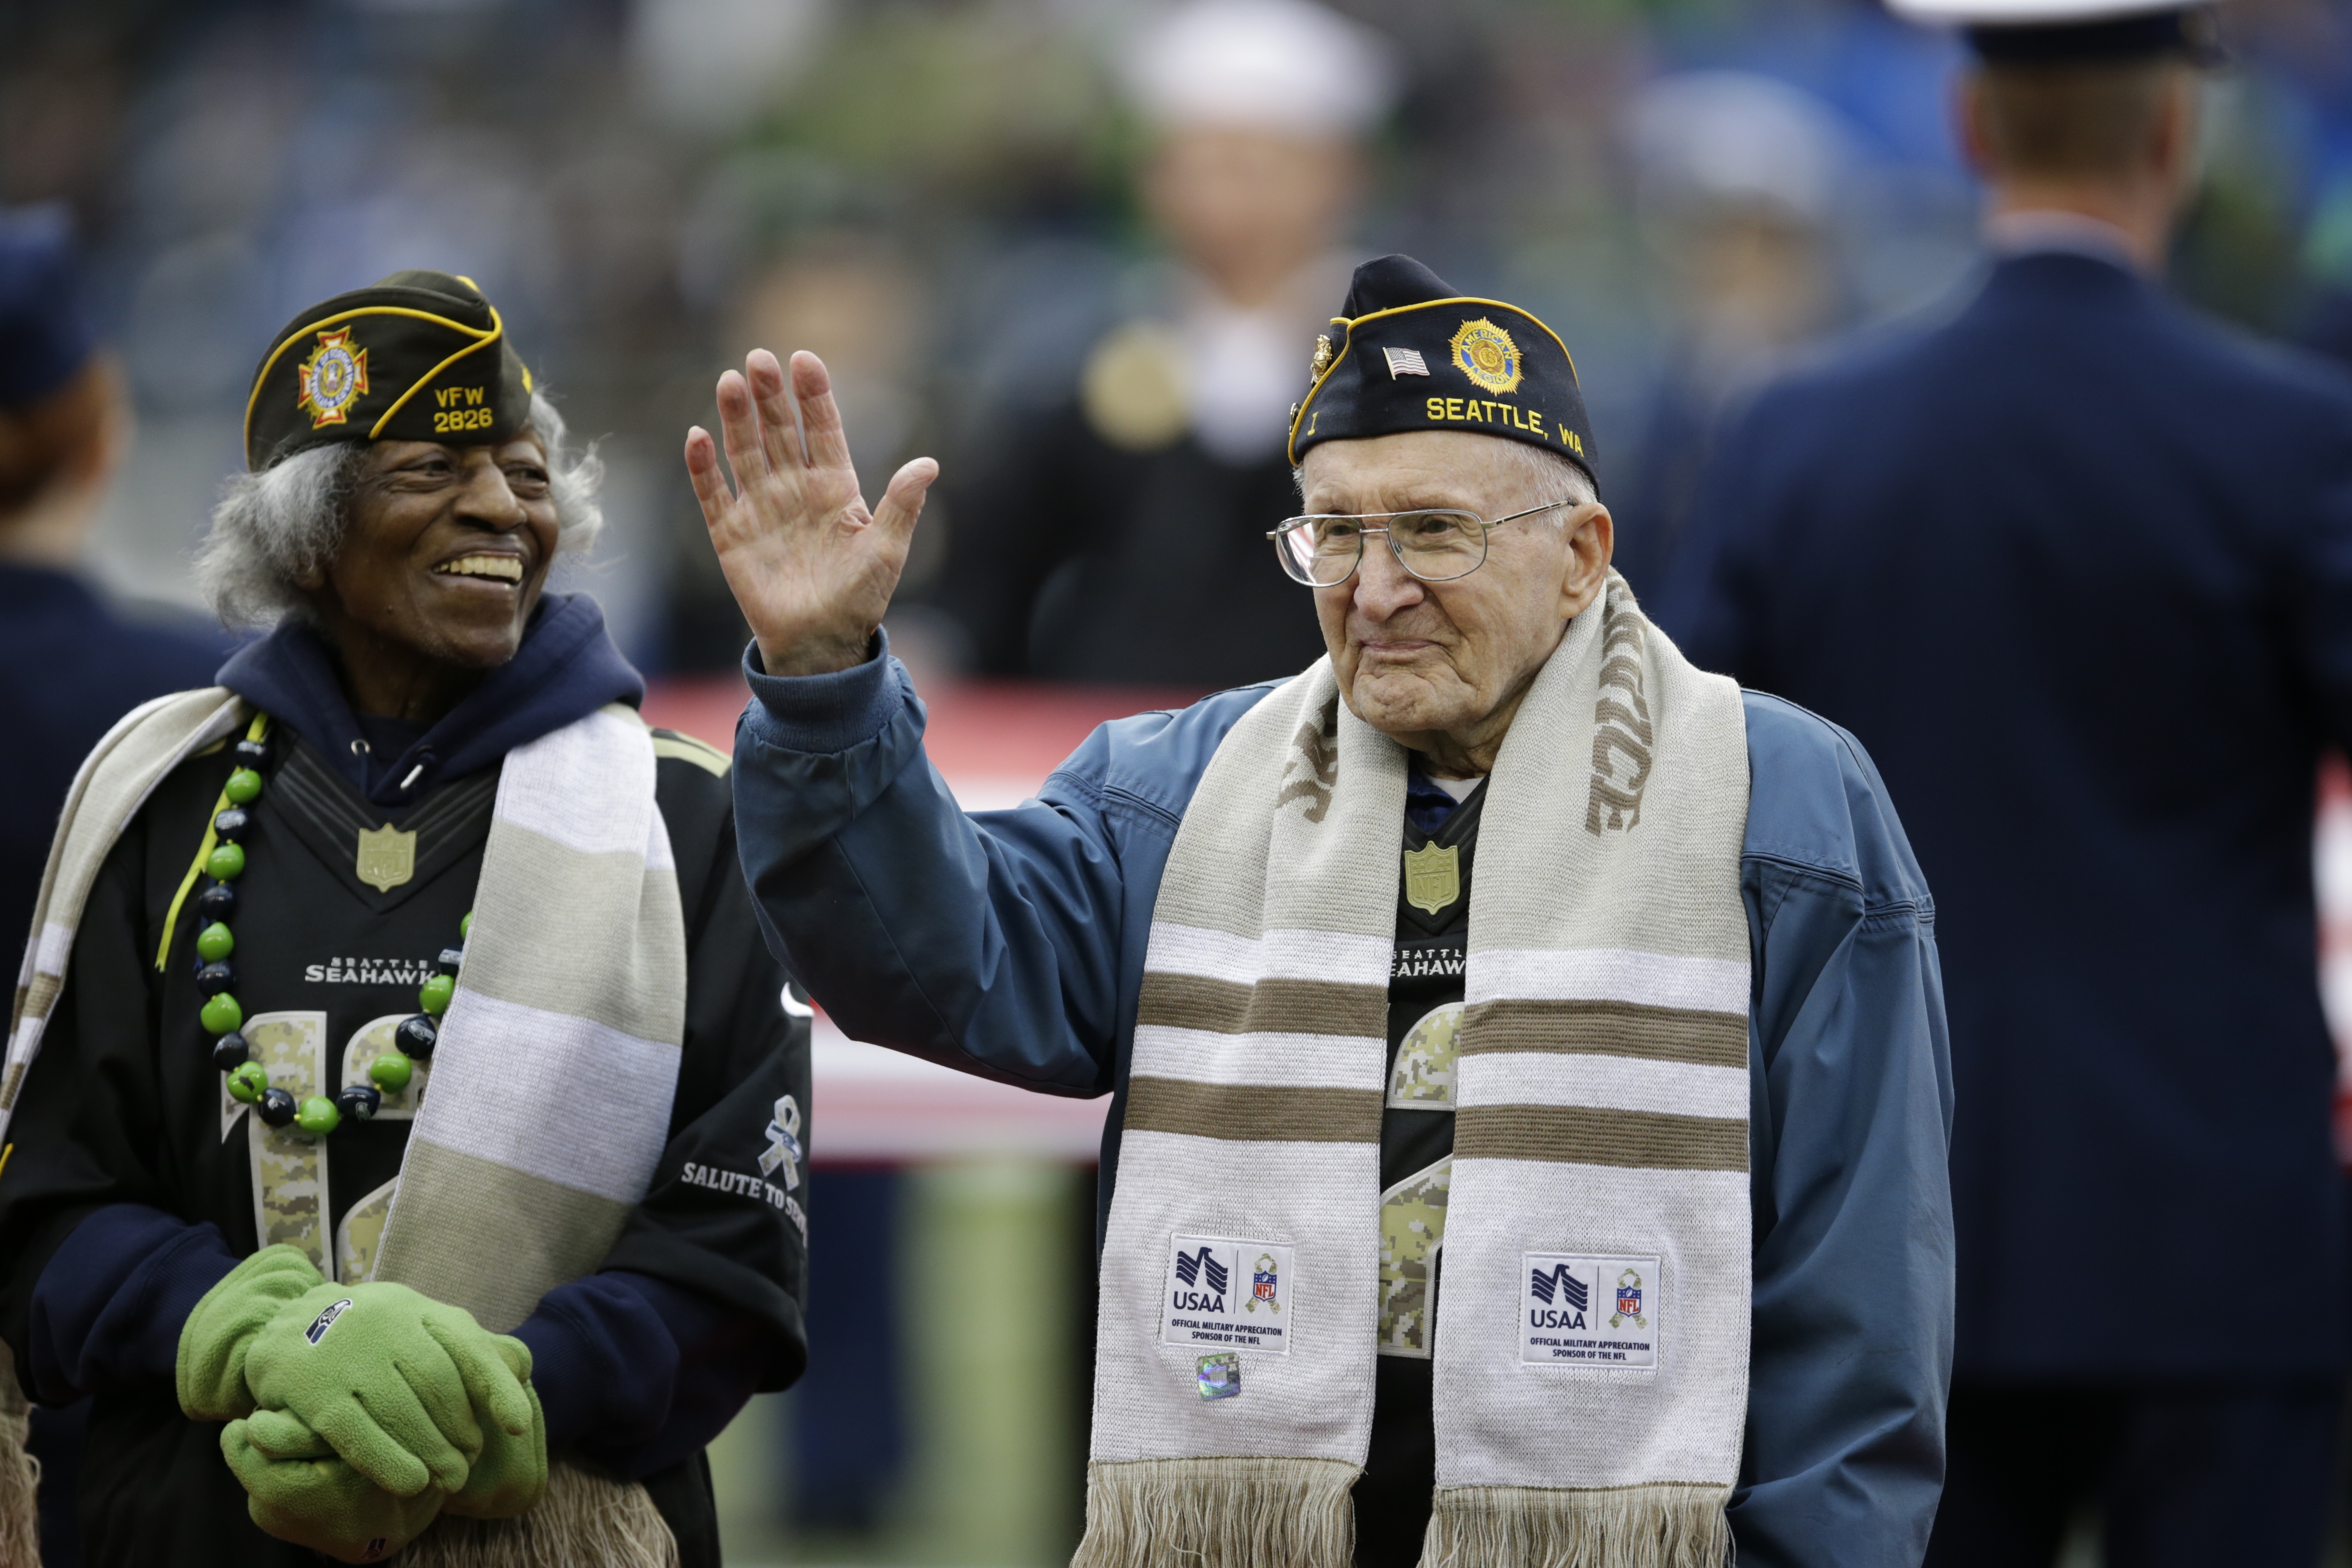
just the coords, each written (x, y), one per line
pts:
(573, 983)
(1591, 1350)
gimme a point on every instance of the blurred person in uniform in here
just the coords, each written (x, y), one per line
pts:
(64, 423)
(1737, 193)
(2075, 565)
(1115, 532)
(854, 289)
(76, 663)
(858, 293)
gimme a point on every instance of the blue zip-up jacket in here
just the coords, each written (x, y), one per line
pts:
(1010, 944)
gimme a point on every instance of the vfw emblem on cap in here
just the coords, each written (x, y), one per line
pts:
(333, 378)
(1486, 353)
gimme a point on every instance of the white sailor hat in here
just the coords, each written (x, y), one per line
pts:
(2056, 30)
(1289, 66)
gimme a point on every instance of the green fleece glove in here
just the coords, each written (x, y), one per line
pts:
(508, 1479)
(399, 1383)
(215, 1339)
(511, 1475)
(298, 1490)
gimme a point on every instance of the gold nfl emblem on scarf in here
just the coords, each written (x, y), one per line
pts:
(387, 858)
(1432, 878)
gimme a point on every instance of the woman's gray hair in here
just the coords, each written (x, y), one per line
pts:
(274, 528)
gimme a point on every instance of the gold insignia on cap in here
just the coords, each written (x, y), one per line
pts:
(1486, 353)
(335, 378)
(1324, 355)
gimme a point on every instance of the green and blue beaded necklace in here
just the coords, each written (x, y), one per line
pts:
(220, 861)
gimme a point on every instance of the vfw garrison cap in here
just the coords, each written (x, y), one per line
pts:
(1414, 354)
(417, 356)
(2069, 31)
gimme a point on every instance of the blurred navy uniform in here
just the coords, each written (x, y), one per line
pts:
(2077, 566)
(72, 666)
(1083, 548)
(1112, 528)
(1737, 188)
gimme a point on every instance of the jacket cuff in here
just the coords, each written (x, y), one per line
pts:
(108, 1306)
(636, 1372)
(587, 1387)
(819, 715)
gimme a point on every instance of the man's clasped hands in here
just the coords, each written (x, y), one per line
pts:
(357, 1414)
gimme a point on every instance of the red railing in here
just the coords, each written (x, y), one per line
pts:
(994, 742)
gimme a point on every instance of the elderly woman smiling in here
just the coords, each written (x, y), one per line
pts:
(400, 1093)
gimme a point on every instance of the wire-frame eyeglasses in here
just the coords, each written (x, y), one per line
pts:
(1436, 544)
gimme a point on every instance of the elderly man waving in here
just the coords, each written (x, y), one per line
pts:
(1663, 1085)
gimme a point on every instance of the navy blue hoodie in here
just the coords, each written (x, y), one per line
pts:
(629, 1367)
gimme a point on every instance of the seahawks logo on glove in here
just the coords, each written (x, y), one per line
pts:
(325, 1320)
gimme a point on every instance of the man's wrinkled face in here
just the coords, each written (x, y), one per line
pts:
(1417, 658)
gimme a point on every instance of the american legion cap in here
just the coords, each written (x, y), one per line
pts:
(1414, 354)
(415, 356)
(2062, 32)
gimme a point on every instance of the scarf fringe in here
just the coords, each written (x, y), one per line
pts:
(1219, 1513)
(585, 1521)
(1659, 1525)
(20, 1475)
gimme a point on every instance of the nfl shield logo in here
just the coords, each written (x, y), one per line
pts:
(1432, 878)
(1629, 1300)
(1263, 1280)
(387, 858)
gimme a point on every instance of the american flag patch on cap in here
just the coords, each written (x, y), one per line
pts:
(1405, 362)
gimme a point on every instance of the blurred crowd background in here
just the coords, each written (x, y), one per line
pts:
(1081, 257)
(961, 204)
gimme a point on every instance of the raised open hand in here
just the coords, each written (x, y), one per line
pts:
(811, 566)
